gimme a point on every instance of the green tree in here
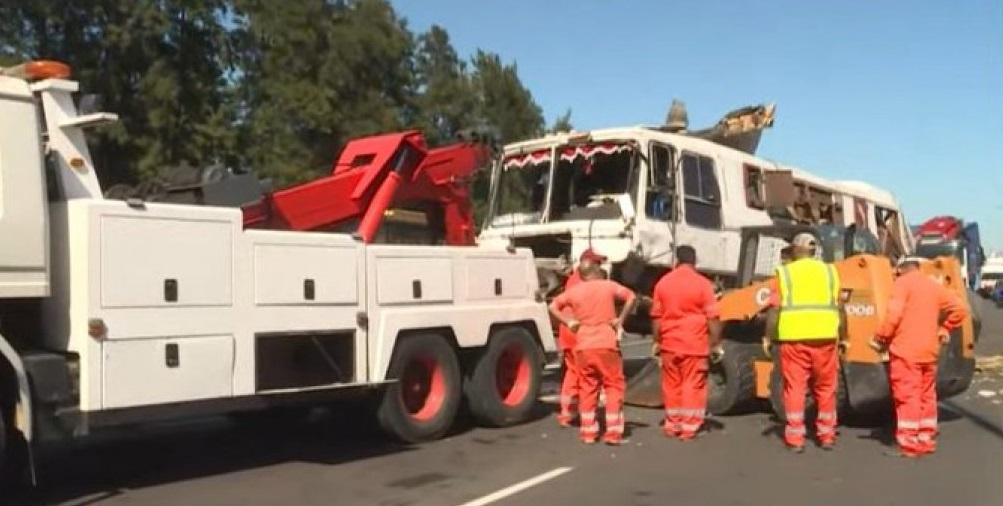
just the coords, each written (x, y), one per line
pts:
(503, 101)
(314, 74)
(159, 64)
(508, 107)
(445, 101)
(562, 123)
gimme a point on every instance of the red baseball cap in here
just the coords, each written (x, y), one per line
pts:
(590, 254)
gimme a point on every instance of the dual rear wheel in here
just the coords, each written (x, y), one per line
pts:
(500, 388)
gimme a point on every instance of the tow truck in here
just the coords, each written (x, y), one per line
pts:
(117, 312)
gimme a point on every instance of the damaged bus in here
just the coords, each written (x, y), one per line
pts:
(633, 193)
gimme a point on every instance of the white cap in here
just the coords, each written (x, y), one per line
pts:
(804, 240)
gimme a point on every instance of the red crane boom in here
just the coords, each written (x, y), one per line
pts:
(374, 174)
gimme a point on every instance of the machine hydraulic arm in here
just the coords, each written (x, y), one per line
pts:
(373, 175)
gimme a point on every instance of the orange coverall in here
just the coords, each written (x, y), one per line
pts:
(683, 302)
(597, 353)
(569, 383)
(911, 330)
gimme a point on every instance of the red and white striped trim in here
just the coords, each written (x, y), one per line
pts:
(696, 413)
(927, 423)
(827, 415)
(520, 161)
(615, 422)
(690, 427)
(794, 431)
(568, 154)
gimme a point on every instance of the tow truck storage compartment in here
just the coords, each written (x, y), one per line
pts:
(305, 274)
(490, 278)
(140, 372)
(162, 260)
(413, 279)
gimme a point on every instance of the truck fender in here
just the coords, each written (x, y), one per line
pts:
(22, 408)
(23, 415)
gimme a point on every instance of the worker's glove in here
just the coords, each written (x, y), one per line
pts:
(843, 345)
(767, 347)
(944, 335)
(716, 354)
(656, 349)
(573, 325)
(877, 345)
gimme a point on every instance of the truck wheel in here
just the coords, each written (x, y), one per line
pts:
(502, 387)
(3, 448)
(731, 383)
(422, 403)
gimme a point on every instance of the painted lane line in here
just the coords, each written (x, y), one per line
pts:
(518, 487)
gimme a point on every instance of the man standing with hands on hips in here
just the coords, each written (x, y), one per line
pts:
(592, 307)
(921, 314)
(685, 327)
(566, 342)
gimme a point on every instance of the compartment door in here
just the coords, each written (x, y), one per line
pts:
(140, 372)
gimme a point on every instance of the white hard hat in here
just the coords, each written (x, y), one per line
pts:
(804, 240)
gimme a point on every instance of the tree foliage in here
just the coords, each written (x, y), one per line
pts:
(274, 87)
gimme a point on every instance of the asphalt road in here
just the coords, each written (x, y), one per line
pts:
(338, 457)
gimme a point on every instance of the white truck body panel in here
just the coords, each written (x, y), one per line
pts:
(24, 260)
(189, 277)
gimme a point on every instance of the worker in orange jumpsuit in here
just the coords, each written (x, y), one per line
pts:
(566, 343)
(685, 327)
(920, 317)
(592, 307)
(806, 318)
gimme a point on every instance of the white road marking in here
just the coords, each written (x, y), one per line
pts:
(518, 487)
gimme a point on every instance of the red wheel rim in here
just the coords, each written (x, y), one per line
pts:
(512, 375)
(423, 388)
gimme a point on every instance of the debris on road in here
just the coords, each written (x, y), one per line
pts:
(993, 364)
(987, 393)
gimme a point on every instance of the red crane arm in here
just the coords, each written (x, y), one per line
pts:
(373, 174)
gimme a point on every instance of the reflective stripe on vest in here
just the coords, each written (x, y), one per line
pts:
(808, 295)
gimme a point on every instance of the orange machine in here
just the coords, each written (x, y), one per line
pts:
(866, 281)
(745, 375)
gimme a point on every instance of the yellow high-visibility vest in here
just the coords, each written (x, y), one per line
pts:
(809, 291)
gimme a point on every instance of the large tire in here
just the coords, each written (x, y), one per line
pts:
(502, 387)
(4, 459)
(731, 382)
(422, 404)
(976, 306)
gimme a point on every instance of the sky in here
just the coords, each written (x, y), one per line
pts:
(906, 95)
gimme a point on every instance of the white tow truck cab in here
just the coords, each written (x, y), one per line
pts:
(634, 193)
(114, 312)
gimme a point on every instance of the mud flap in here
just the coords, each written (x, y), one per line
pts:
(954, 370)
(644, 382)
(867, 387)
